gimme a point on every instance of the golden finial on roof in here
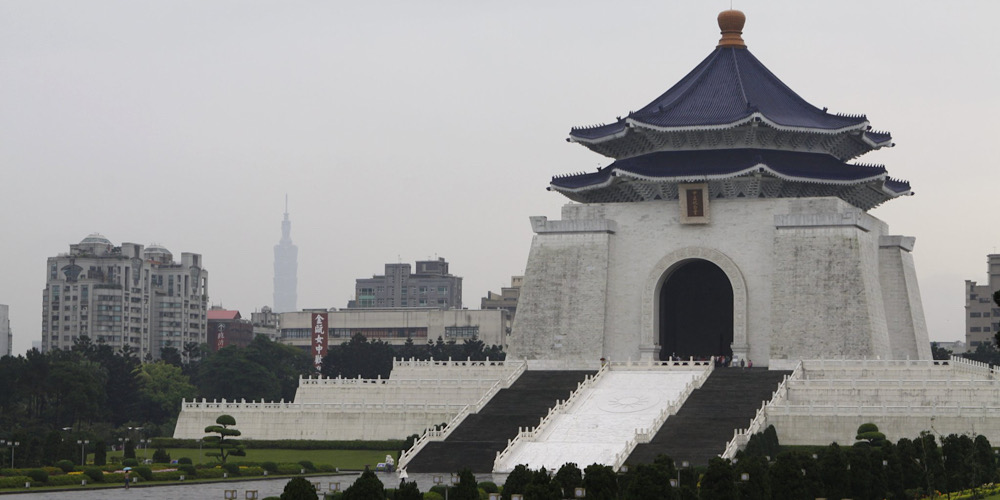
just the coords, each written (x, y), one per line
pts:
(731, 23)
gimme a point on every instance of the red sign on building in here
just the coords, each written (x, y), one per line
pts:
(319, 338)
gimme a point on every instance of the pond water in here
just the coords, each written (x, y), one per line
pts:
(213, 491)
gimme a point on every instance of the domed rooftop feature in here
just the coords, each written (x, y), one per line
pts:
(95, 239)
(158, 253)
(731, 25)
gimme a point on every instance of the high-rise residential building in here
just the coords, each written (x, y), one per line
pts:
(285, 268)
(430, 286)
(6, 336)
(124, 296)
(982, 315)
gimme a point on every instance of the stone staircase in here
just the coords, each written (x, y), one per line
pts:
(727, 401)
(476, 441)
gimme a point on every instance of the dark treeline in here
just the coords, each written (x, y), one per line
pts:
(873, 468)
(373, 358)
(93, 392)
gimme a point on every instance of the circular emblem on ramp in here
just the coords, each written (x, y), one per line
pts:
(628, 402)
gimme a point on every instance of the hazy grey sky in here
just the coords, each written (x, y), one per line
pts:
(403, 130)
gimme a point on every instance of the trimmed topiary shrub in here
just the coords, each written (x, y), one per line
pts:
(144, 472)
(66, 465)
(307, 465)
(270, 467)
(96, 475)
(298, 488)
(430, 495)
(326, 468)
(130, 462)
(489, 487)
(189, 470)
(37, 475)
(232, 469)
(184, 460)
(160, 456)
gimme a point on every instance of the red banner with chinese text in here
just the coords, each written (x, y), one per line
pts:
(319, 338)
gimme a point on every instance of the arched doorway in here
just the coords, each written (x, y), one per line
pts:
(696, 311)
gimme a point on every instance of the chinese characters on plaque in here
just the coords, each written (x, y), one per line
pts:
(694, 203)
(319, 338)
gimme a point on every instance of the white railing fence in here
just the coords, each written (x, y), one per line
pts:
(742, 436)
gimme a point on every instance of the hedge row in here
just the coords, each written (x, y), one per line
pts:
(291, 444)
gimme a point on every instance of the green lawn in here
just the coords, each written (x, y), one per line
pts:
(344, 459)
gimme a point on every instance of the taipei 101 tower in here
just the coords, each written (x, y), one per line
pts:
(285, 268)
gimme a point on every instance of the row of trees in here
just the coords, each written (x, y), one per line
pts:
(93, 392)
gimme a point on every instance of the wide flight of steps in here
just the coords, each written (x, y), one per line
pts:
(476, 441)
(700, 430)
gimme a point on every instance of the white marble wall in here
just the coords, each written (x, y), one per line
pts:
(807, 274)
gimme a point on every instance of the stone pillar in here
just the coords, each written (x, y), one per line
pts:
(904, 311)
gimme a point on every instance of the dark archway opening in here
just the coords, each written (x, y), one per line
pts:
(696, 312)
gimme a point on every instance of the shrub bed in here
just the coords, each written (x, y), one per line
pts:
(13, 481)
(251, 471)
(210, 473)
(65, 480)
(289, 468)
(291, 444)
(37, 475)
(171, 475)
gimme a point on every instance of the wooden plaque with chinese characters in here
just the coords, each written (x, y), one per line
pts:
(694, 203)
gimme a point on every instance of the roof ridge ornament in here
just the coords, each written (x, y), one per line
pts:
(731, 24)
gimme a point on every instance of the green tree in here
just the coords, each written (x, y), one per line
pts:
(569, 478)
(224, 440)
(229, 374)
(171, 356)
(940, 353)
(366, 487)
(786, 477)
(128, 450)
(647, 481)
(408, 491)
(757, 485)
(285, 362)
(600, 481)
(868, 433)
(467, 488)
(298, 488)
(719, 481)
(984, 461)
(517, 481)
(542, 487)
(359, 357)
(100, 452)
(162, 386)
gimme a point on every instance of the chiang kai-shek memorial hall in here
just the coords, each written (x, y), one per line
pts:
(733, 221)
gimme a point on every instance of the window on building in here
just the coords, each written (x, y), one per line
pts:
(461, 332)
(975, 329)
(974, 315)
(423, 290)
(986, 315)
(442, 289)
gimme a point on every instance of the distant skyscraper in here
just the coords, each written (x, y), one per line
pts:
(285, 268)
(6, 336)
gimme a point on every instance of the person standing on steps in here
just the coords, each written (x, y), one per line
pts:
(743, 363)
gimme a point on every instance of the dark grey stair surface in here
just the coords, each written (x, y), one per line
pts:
(728, 400)
(476, 441)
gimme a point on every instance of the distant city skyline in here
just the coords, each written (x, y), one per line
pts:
(415, 130)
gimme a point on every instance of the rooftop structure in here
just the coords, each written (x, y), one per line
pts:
(732, 123)
(228, 328)
(982, 315)
(431, 285)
